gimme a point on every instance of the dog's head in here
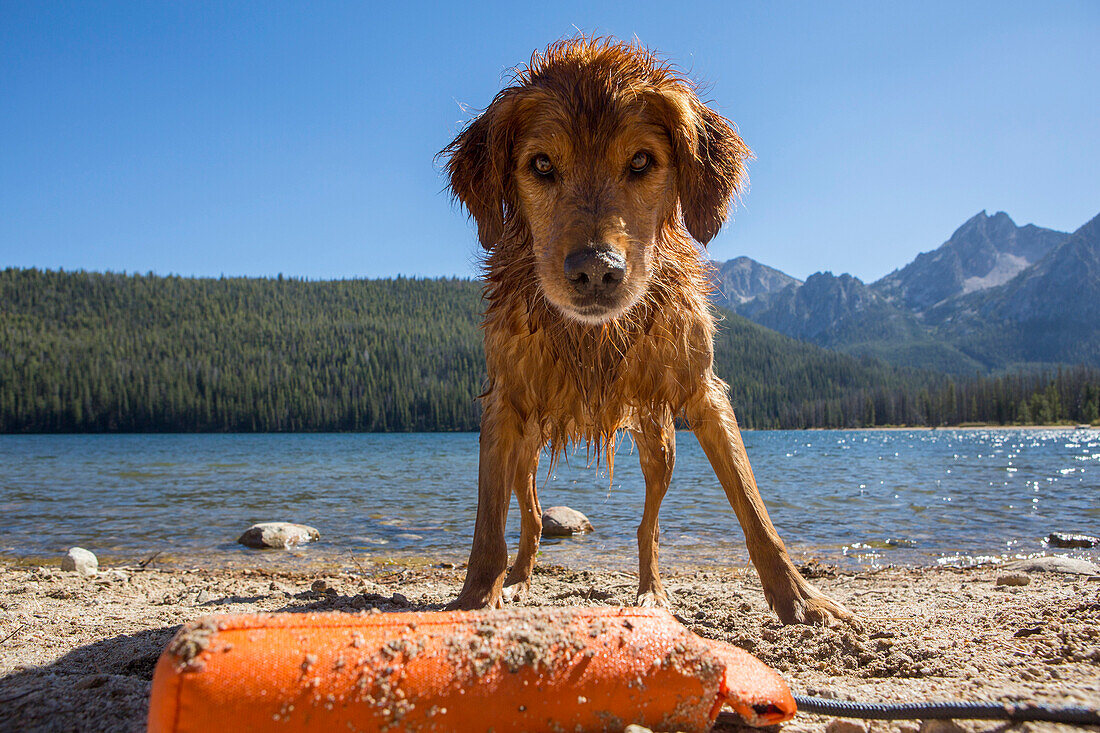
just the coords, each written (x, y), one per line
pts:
(596, 152)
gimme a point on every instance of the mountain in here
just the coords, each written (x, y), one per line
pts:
(993, 295)
(830, 311)
(1049, 312)
(843, 313)
(985, 252)
(741, 279)
(1063, 286)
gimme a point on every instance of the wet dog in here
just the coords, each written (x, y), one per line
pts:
(590, 179)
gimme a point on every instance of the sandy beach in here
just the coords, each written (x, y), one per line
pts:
(78, 653)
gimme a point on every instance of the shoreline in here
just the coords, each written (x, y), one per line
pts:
(79, 652)
(859, 558)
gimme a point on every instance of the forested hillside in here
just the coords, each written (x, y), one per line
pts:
(105, 352)
(93, 352)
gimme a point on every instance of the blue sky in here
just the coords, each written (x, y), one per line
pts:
(259, 138)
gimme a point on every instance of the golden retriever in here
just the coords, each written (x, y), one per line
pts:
(588, 179)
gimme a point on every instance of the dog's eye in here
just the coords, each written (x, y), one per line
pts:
(640, 161)
(541, 164)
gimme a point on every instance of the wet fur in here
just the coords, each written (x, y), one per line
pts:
(558, 375)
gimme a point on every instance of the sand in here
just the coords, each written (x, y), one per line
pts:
(78, 653)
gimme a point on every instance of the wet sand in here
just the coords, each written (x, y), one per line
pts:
(78, 653)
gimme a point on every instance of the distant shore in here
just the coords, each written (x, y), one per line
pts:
(78, 653)
(963, 426)
(972, 426)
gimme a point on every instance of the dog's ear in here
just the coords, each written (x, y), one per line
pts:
(710, 165)
(479, 168)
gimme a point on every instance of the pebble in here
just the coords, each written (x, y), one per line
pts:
(845, 726)
(80, 561)
(1014, 579)
(278, 535)
(941, 726)
(561, 521)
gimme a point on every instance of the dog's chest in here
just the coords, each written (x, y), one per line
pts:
(585, 384)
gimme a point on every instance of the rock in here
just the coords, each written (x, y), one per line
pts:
(1072, 541)
(1014, 579)
(845, 726)
(1054, 564)
(635, 728)
(814, 568)
(941, 726)
(561, 521)
(277, 534)
(80, 561)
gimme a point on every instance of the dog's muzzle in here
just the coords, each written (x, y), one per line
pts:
(594, 274)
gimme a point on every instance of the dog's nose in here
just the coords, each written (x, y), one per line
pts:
(592, 271)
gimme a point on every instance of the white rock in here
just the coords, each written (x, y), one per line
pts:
(279, 535)
(80, 561)
(1054, 564)
(561, 521)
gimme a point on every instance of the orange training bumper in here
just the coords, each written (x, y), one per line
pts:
(524, 669)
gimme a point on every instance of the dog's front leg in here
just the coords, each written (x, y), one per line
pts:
(793, 599)
(509, 454)
(656, 441)
(518, 582)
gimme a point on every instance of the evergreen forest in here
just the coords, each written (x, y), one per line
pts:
(92, 352)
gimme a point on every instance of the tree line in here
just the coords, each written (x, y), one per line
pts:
(106, 352)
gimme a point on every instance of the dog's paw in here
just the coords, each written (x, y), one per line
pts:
(475, 602)
(803, 604)
(516, 593)
(653, 599)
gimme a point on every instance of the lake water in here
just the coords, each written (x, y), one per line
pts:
(850, 497)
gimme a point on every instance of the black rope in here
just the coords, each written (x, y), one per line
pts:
(944, 710)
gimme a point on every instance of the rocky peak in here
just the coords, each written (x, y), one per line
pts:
(985, 252)
(742, 279)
